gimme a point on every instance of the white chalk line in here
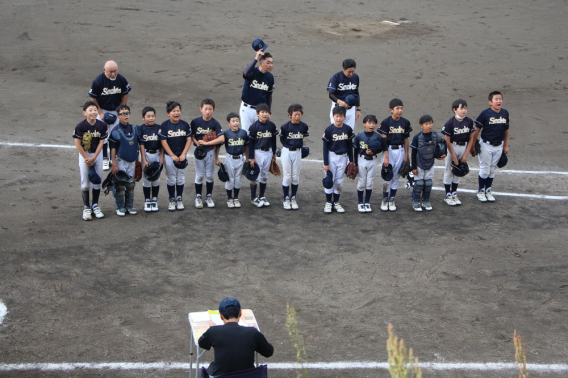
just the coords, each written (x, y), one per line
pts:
(3, 311)
(522, 195)
(347, 365)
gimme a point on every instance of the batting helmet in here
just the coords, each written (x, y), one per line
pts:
(441, 150)
(460, 170)
(182, 164)
(94, 176)
(253, 172)
(328, 180)
(376, 146)
(109, 118)
(222, 173)
(305, 152)
(122, 178)
(200, 152)
(503, 160)
(386, 172)
(352, 100)
(152, 172)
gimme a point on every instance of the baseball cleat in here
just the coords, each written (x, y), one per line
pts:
(481, 196)
(256, 202)
(286, 204)
(87, 215)
(385, 205)
(198, 203)
(489, 196)
(427, 205)
(264, 201)
(294, 204)
(368, 208)
(172, 204)
(392, 206)
(337, 207)
(132, 211)
(209, 201)
(456, 199)
(97, 211)
(155, 206)
(148, 206)
(327, 208)
(416, 205)
(179, 203)
(230, 204)
(106, 164)
(237, 202)
(450, 200)
(361, 208)
(121, 212)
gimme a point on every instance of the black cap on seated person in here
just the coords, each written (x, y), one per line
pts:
(229, 304)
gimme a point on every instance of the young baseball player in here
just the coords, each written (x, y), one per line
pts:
(205, 168)
(236, 146)
(124, 149)
(337, 152)
(175, 136)
(150, 151)
(458, 132)
(341, 85)
(366, 159)
(89, 137)
(292, 136)
(257, 88)
(262, 145)
(396, 130)
(422, 163)
(493, 124)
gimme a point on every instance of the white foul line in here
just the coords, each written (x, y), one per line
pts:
(67, 366)
(3, 311)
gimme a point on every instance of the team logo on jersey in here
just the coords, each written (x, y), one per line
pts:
(148, 138)
(236, 142)
(262, 86)
(96, 134)
(178, 133)
(346, 87)
(338, 137)
(493, 120)
(110, 91)
(461, 131)
(298, 135)
(203, 131)
(266, 134)
(363, 145)
(396, 130)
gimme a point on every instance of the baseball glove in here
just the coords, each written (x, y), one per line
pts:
(274, 168)
(404, 169)
(476, 149)
(138, 171)
(210, 136)
(351, 171)
(86, 141)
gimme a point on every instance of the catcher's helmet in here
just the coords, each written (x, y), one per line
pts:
(441, 150)
(122, 178)
(253, 172)
(386, 172)
(352, 100)
(200, 152)
(328, 180)
(152, 172)
(109, 118)
(460, 170)
(375, 146)
(222, 173)
(305, 151)
(182, 164)
(503, 160)
(94, 176)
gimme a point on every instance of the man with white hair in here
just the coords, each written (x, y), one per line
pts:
(108, 91)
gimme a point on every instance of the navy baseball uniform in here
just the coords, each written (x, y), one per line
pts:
(153, 152)
(340, 86)
(235, 146)
(367, 166)
(262, 145)
(337, 152)
(257, 89)
(292, 137)
(459, 133)
(205, 168)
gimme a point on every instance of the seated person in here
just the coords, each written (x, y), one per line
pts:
(234, 345)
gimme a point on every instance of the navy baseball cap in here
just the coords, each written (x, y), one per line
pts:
(229, 304)
(352, 100)
(258, 44)
(109, 118)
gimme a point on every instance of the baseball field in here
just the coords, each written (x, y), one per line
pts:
(110, 297)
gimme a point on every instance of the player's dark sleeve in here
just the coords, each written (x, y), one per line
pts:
(333, 97)
(251, 148)
(359, 97)
(385, 144)
(248, 71)
(262, 345)
(205, 341)
(274, 143)
(356, 157)
(414, 159)
(269, 100)
(325, 153)
(95, 90)
(350, 152)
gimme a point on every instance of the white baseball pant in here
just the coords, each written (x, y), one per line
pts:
(151, 158)
(205, 167)
(396, 157)
(291, 166)
(488, 159)
(174, 176)
(424, 174)
(349, 115)
(263, 159)
(84, 170)
(128, 167)
(367, 173)
(337, 164)
(449, 177)
(234, 169)
(248, 116)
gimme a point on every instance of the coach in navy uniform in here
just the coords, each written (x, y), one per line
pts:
(343, 84)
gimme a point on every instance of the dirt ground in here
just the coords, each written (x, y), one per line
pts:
(455, 282)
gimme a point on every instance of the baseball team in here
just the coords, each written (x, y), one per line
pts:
(250, 140)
